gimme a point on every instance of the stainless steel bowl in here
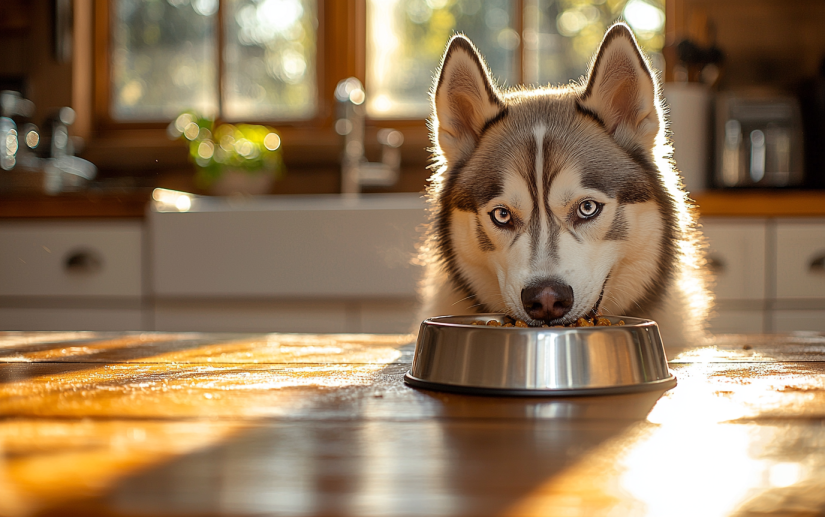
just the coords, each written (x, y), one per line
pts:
(451, 354)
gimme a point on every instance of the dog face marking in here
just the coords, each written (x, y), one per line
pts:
(618, 229)
(545, 198)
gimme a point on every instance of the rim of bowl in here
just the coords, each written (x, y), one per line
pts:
(639, 323)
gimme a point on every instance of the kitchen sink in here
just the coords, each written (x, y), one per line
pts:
(286, 247)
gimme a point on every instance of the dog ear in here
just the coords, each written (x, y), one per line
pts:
(464, 100)
(621, 90)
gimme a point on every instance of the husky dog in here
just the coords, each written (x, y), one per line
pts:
(556, 203)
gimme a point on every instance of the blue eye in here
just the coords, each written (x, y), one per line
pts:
(501, 216)
(588, 209)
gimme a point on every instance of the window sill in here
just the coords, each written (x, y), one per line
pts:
(130, 151)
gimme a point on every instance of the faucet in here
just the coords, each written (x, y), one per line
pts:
(62, 171)
(11, 105)
(356, 171)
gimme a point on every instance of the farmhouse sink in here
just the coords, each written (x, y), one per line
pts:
(285, 247)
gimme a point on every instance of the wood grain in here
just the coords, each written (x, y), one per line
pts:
(761, 203)
(279, 424)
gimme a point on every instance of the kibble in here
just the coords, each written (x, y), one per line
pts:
(595, 321)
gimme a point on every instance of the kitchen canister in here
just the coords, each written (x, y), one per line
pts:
(690, 124)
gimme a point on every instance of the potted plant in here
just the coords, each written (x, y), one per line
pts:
(230, 158)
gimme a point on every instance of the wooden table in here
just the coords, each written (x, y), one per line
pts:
(206, 424)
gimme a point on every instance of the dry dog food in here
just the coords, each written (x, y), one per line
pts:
(595, 321)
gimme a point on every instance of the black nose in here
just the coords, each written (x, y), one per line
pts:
(547, 300)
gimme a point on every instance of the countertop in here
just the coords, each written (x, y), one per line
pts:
(286, 424)
(125, 203)
(131, 203)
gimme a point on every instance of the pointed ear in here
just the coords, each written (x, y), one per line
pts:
(621, 90)
(464, 100)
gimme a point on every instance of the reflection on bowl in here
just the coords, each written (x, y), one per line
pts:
(453, 354)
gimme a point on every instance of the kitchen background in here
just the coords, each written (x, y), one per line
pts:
(108, 213)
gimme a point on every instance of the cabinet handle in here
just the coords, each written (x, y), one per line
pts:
(716, 264)
(817, 265)
(83, 261)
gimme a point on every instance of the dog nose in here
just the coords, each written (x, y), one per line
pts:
(548, 300)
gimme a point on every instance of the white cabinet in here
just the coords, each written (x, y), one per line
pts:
(770, 274)
(71, 275)
(71, 259)
(800, 260)
(736, 255)
(293, 264)
(71, 315)
(329, 265)
(800, 276)
(310, 247)
(390, 316)
(798, 320)
(727, 319)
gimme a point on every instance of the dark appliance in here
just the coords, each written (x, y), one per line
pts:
(759, 141)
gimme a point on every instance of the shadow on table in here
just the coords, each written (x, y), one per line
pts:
(383, 449)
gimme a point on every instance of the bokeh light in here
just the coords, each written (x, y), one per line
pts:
(272, 141)
(643, 17)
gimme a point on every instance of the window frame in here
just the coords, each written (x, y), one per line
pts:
(341, 53)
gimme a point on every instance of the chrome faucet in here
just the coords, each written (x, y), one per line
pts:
(356, 171)
(64, 171)
(11, 105)
(61, 170)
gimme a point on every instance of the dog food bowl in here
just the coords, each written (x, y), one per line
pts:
(453, 355)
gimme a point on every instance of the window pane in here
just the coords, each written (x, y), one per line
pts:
(405, 40)
(269, 59)
(560, 36)
(163, 58)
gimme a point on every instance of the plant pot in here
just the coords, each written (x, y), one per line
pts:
(235, 181)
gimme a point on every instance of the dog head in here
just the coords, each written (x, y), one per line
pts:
(549, 202)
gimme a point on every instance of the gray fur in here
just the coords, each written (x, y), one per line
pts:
(579, 136)
(618, 229)
(484, 242)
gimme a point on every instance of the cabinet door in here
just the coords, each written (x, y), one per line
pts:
(99, 258)
(737, 321)
(315, 247)
(254, 316)
(800, 259)
(62, 318)
(799, 320)
(736, 256)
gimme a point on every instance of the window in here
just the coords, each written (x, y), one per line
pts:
(277, 61)
(270, 59)
(406, 40)
(532, 41)
(165, 59)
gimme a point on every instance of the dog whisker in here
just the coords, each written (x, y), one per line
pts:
(463, 300)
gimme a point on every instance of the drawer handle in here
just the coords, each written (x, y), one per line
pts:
(716, 264)
(83, 261)
(817, 265)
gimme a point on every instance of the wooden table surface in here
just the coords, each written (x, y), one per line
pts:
(206, 424)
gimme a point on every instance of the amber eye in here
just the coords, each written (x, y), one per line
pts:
(501, 217)
(589, 209)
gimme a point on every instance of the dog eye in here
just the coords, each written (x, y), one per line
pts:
(589, 209)
(501, 217)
